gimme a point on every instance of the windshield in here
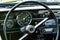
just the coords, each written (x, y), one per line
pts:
(2, 1)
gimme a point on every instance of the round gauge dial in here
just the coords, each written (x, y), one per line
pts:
(24, 18)
(10, 23)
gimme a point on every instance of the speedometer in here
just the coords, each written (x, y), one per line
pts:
(24, 18)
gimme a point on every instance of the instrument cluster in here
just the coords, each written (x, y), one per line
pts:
(24, 18)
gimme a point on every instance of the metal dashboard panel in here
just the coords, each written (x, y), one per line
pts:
(29, 8)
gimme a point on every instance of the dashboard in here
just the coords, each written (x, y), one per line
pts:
(29, 16)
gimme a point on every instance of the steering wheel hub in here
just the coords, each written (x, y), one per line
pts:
(30, 28)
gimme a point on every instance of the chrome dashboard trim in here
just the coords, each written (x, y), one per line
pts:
(30, 8)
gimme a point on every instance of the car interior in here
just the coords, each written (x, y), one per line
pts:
(30, 20)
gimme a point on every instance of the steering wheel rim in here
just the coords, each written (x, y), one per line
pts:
(4, 26)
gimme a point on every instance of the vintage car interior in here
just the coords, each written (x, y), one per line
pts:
(30, 20)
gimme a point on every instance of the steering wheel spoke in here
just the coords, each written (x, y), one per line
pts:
(41, 22)
(25, 35)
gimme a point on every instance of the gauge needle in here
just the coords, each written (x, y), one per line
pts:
(35, 28)
(25, 17)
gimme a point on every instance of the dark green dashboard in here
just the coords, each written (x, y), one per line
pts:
(38, 14)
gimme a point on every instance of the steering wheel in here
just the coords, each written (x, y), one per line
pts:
(51, 15)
